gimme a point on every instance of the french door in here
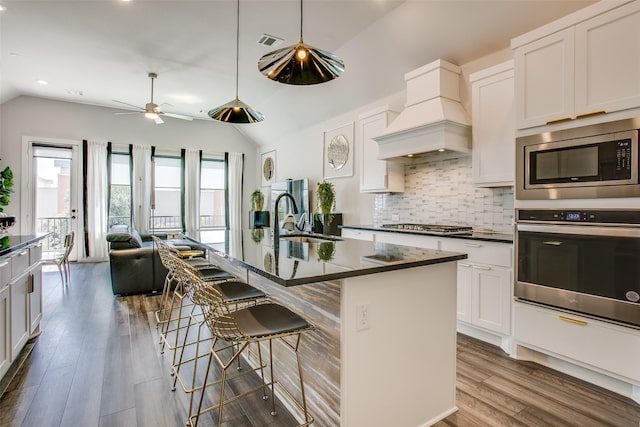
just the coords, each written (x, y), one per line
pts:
(50, 191)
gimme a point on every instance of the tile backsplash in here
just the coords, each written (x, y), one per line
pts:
(441, 192)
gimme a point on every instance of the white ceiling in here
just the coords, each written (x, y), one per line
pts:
(95, 51)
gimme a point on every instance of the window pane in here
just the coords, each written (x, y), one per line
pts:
(168, 172)
(120, 196)
(212, 174)
(212, 207)
(120, 174)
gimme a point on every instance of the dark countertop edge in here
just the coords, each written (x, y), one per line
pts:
(32, 239)
(487, 237)
(345, 274)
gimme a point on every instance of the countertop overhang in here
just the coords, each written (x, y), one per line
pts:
(290, 263)
(10, 244)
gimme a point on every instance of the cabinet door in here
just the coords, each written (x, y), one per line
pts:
(608, 61)
(35, 299)
(378, 175)
(493, 127)
(19, 313)
(465, 283)
(491, 299)
(544, 71)
(5, 331)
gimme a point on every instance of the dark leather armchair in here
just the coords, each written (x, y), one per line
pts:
(134, 261)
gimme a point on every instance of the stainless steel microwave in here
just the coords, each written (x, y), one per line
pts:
(583, 163)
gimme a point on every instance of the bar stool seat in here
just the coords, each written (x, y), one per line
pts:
(268, 319)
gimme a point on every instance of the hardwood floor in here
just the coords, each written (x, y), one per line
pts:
(97, 363)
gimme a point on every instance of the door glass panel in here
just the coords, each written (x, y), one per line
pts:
(53, 204)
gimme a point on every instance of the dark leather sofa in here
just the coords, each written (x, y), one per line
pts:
(134, 261)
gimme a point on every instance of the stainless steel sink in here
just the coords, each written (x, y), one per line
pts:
(309, 238)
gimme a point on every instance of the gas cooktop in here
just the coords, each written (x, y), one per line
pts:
(432, 228)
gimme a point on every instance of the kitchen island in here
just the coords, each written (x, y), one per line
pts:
(384, 348)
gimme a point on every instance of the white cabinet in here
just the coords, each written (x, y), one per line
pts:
(493, 118)
(426, 242)
(19, 313)
(484, 284)
(5, 331)
(378, 176)
(588, 68)
(601, 346)
(35, 299)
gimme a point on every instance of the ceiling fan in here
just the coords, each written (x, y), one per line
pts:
(151, 110)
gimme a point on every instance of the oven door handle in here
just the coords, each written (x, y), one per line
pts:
(587, 230)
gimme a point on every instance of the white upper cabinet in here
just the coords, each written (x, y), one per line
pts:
(608, 61)
(378, 176)
(581, 70)
(493, 126)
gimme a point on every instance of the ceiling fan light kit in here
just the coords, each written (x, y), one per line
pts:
(301, 64)
(236, 111)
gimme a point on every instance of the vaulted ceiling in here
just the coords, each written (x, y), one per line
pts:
(97, 51)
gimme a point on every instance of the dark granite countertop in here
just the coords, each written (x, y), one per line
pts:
(291, 263)
(486, 236)
(9, 244)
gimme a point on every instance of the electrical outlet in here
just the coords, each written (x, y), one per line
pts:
(362, 317)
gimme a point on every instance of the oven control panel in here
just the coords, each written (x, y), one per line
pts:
(579, 216)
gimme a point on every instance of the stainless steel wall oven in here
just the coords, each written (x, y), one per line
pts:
(586, 261)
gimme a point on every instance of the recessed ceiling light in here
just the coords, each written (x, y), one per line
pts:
(14, 54)
(2, 8)
(42, 82)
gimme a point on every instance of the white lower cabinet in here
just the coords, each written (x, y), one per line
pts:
(485, 280)
(35, 299)
(353, 233)
(600, 346)
(484, 296)
(19, 313)
(5, 331)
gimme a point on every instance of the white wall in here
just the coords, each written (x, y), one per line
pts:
(37, 117)
(299, 155)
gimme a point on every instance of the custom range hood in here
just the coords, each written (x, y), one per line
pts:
(433, 119)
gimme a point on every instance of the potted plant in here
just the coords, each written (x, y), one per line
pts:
(257, 217)
(326, 222)
(6, 188)
(326, 251)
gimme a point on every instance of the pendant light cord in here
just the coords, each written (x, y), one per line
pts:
(237, 45)
(301, 20)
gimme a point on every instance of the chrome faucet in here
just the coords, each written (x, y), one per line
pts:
(276, 227)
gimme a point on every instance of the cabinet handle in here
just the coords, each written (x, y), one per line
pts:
(480, 267)
(552, 243)
(24, 253)
(4, 264)
(595, 113)
(564, 119)
(463, 264)
(30, 283)
(575, 321)
(472, 245)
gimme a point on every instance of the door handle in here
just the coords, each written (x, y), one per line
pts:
(552, 243)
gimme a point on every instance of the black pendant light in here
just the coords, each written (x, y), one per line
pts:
(301, 64)
(236, 111)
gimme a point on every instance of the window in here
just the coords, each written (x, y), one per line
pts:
(212, 200)
(168, 181)
(120, 191)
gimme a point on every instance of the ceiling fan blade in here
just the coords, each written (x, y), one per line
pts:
(158, 120)
(177, 116)
(130, 112)
(130, 105)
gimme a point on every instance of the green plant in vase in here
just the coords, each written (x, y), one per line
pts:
(326, 199)
(6, 187)
(257, 200)
(257, 234)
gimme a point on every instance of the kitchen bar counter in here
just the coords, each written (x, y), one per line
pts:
(383, 350)
(486, 236)
(9, 244)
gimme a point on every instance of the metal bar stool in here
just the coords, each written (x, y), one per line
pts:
(237, 330)
(164, 250)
